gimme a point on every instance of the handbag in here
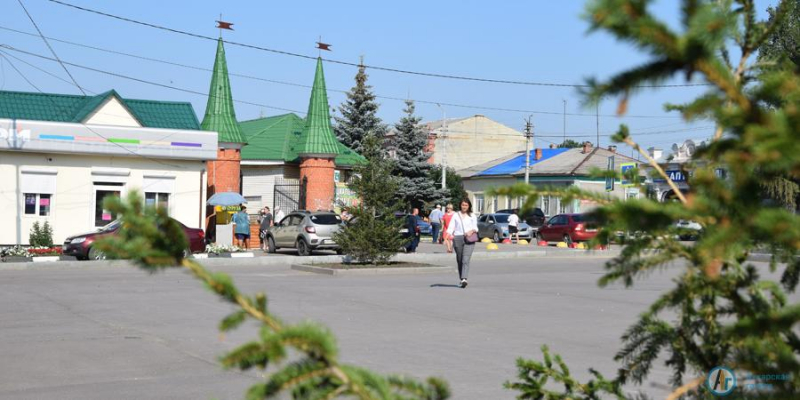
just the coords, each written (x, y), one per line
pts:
(472, 237)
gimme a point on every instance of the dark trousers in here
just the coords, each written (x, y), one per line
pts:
(412, 245)
(435, 228)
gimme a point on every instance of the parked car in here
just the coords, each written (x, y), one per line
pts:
(568, 228)
(305, 231)
(495, 226)
(689, 230)
(534, 218)
(82, 246)
(425, 229)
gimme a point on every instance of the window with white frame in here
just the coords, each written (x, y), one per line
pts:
(155, 199)
(495, 203)
(508, 202)
(546, 205)
(520, 201)
(562, 206)
(479, 202)
(37, 204)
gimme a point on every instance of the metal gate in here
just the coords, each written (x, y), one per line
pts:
(290, 195)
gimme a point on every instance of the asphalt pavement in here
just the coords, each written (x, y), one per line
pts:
(99, 332)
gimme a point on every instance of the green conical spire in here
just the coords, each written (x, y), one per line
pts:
(318, 136)
(220, 115)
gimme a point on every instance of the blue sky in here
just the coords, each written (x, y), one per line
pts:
(514, 40)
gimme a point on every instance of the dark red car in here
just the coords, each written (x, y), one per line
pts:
(81, 246)
(568, 228)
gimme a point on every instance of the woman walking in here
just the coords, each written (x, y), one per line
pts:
(446, 237)
(464, 229)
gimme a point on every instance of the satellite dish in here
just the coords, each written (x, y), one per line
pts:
(675, 148)
(690, 147)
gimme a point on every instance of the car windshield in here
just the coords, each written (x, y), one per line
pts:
(501, 218)
(326, 219)
(110, 227)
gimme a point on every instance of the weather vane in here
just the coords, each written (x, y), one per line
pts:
(323, 46)
(223, 25)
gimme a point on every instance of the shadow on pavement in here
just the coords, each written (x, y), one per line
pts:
(445, 285)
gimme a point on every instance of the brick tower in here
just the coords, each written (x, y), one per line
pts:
(223, 174)
(318, 148)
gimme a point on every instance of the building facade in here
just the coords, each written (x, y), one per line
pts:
(62, 155)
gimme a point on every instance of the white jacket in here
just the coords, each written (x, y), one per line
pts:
(460, 224)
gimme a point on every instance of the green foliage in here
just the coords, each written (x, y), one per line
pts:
(783, 44)
(359, 115)
(721, 312)
(41, 235)
(300, 360)
(373, 233)
(569, 144)
(455, 185)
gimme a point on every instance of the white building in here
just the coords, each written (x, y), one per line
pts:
(61, 155)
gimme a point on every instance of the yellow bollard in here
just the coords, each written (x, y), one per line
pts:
(491, 246)
(580, 246)
(522, 241)
(486, 240)
(562, 245)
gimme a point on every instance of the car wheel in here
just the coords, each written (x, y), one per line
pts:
(567, 239)
(496, 237)
(302, 248)
(271, 248)
(339, 252)
(95, 254)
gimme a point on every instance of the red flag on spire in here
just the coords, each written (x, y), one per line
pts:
(324, 46)
(225, 25)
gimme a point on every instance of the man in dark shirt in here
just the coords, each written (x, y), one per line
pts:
(413, 230)
(265, 224)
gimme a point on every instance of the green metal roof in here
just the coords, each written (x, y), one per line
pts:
(278, 138)
(318, 136)
(220, 116)
(77, 108)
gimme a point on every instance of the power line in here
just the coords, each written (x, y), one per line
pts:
(30, 17)
(379, 68)
(294, 84)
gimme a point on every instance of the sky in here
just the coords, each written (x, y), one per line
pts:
(533, 41)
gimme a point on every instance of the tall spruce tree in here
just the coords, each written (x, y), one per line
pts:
(416, 186)
(723, 311)
(359, 115)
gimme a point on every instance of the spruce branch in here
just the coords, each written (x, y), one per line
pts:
(623, 135)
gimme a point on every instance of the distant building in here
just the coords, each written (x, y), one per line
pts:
(548, 168)
(468, 141)
(676, 166)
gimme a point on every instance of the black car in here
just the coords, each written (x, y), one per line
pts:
(534, 218)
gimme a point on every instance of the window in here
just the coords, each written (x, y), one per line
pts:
(501, 218)
(546, 204)
(102, 190)
(495, 203)
(562, 207)
(520, 201)
(483, 218)
(37, 204)
(508, 202)
(160, 200)
(326, 219)
(479, 202)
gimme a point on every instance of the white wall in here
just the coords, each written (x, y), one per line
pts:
(480, 186)
(112, 113)
(72, 209)
(475, 141)
(258, 181)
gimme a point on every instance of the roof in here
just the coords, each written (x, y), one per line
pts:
(554, 162)
(431, 126)
(510, 164)
(317, 136)
(220, 116)
(277, 138)
(77, 108)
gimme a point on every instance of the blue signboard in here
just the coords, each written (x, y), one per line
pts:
(623, 168)
(676, 176)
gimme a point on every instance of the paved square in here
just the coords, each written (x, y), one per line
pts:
(98, 333)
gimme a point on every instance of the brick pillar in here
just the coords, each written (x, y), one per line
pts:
(320, 188)
(224, 174)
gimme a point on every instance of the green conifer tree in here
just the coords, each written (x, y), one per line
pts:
(721, 312)
(359, 115)
(416, 189)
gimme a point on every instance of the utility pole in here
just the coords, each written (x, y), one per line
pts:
(597, 117)
(444, 146)
(528, 136)
(565, 120)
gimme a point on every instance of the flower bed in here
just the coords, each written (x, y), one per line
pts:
(222, 249)
(44, 251)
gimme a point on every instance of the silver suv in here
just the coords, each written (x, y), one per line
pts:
(305, 231)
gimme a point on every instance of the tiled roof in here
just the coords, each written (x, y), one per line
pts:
(554, 162)
(277, 138)
(220, 116)
(76, 108)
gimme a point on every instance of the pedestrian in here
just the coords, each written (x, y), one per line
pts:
(279, 214)
(447, 238)
(242, 228)
(513, 225)
(436, 223)
(264, 225)
(413, 230)
(464, 228)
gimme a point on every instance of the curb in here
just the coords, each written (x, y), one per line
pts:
(370, 271)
